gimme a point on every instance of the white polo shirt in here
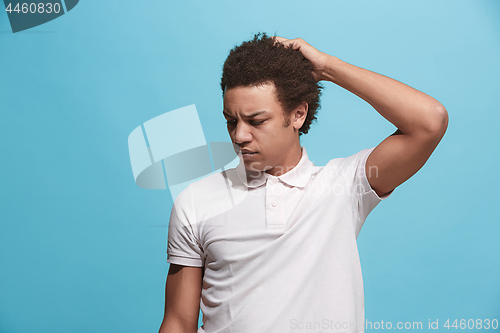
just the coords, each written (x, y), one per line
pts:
(279, 253)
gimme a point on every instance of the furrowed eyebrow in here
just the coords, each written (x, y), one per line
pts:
(255, 114)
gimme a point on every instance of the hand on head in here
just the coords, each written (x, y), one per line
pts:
(316, 57)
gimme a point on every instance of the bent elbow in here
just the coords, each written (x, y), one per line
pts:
(438, 121)
(442, 115)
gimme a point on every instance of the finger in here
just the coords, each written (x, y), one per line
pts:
(295, 43)
(279, 39)
(287, 42)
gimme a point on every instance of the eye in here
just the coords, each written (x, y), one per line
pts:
(231, 122)
(256, 123)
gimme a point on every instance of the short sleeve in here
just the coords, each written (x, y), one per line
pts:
(183, 247)
(363, 195)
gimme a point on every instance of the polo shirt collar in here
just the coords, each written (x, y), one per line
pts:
(297, 177)
(300, 175)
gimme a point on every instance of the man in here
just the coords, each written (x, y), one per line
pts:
(270, 246)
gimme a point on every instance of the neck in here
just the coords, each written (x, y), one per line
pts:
(289, 162)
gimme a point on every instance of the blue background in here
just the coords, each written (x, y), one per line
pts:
(82, 248)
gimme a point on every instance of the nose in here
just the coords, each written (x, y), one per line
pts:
(242, 133)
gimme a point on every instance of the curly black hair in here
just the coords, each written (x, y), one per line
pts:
(262, 60)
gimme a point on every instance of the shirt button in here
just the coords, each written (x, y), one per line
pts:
(274, 204)
(274, 181)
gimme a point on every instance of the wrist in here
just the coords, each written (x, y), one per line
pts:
(330, 70)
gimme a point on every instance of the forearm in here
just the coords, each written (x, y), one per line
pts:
(410, 110)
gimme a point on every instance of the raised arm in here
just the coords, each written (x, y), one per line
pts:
(182, 299)
(421, 120)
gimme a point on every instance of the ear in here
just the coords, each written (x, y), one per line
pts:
(299, 115)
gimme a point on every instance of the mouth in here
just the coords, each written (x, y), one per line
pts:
(247, 153)
(244, 151)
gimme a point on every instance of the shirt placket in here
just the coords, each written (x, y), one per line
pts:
(275, 205)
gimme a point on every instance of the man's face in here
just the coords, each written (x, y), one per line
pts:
(256, 125)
